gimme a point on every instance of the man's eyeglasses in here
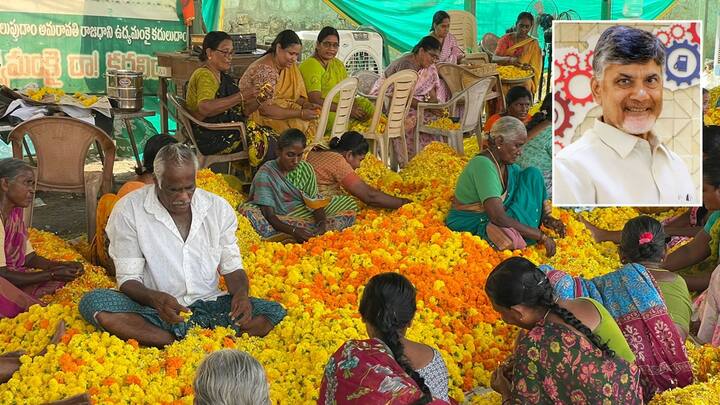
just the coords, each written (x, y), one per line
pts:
(333, 45)
(227, 54)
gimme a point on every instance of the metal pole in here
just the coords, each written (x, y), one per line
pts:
(606, 10)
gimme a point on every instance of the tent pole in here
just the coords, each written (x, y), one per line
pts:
(470, 6)
(606, 10)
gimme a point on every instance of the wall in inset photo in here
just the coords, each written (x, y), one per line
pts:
(678, 123)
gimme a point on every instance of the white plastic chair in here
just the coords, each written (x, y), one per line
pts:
(366, 80)
(472, 99)
(402, 84)
(345, 92)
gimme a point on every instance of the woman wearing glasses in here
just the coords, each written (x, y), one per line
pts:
(428, 89)
(212, 96)
(324, 70)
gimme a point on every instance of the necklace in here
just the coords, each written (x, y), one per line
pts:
(502, 179)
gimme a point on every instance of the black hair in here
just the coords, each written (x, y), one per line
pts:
(518, 281)
(290, 137)
(326, 32)
(545, 113)
(516, 93)
(211, 41)
(152, 147)
(427, 43)
(351, 141)
(284, 39)
(631, 247)
(711, 140)
(705, 91)
(711, 169)
(438, 18)
(625, 45)
(388, 304)
(522, 16)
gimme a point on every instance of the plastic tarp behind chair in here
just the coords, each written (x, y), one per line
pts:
(61, 145)
(403, 23)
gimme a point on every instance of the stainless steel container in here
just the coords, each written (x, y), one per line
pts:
(125, 89)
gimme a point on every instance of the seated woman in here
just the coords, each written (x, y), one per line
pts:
(18, 260)
(213, 97)
(632, 297)
(323, 71)
(519, 48)
(387, 308)
(537, 152)
(99, 246)
(231, 377)
(428, 89)
(284, 196)
(277, 72)
(697, 259)
(538, 371)
(500, 202)
(517, 101)
(335, 171)
(643, 242)
(450, 51)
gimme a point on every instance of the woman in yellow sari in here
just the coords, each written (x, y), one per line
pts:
(99, 246)
(520, 49)
(277, 72)
(323, 71)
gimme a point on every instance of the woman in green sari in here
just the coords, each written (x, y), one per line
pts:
(284, 197)
(323, 71)
(500, 202)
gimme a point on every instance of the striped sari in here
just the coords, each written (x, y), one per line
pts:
(294, 197)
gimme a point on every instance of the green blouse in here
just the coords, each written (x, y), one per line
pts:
(609, 331)
(202, 86)
(478, 182)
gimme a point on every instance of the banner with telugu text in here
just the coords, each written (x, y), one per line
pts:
(74, 51)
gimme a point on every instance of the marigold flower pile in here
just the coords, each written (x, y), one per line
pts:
(320, 283)
(713, 115)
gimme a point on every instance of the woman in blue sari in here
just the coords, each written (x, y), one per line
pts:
(632, 297)
(500, 202)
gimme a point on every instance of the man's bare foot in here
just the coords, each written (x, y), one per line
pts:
(258, 326)
(600, 235)
(81, 399)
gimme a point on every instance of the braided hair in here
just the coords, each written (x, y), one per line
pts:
(642, 240)
(517, 281)
(388, 304)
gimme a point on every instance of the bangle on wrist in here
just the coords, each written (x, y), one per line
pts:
(543, 238)
(293, 231)
(52, 275)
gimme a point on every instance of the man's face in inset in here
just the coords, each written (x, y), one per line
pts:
(630, 96)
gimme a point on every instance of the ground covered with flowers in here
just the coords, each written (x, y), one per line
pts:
(320, 282)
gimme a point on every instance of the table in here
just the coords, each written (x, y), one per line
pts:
(125, 117)
(179, 66)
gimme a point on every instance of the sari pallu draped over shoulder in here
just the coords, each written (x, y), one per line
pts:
(633, 299)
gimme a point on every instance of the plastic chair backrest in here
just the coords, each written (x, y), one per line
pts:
(345, 93)
(489, 43)
(457, 77)
(463, 25)
(403, 86)
(366, 80)
(475, 101)
(61, 145)
(182, 116)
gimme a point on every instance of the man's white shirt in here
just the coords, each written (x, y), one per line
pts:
(607, 166)
(146, 245)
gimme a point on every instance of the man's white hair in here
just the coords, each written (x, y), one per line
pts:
(509, 128)
(175, 154)
(231, 377)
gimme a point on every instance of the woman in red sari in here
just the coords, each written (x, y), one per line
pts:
(18, 258)
(519, 48)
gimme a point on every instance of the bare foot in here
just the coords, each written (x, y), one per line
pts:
(600, 235)
(59, 332)
(82, 399)
(258, 326)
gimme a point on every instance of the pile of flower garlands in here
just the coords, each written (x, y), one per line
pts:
(713, 115)
(320, 282)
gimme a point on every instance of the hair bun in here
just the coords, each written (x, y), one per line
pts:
(334, 142)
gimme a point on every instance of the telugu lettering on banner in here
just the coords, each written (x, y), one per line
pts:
(73, 52)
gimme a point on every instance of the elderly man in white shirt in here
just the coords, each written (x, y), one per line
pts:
(620, 161)
(170, 243)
